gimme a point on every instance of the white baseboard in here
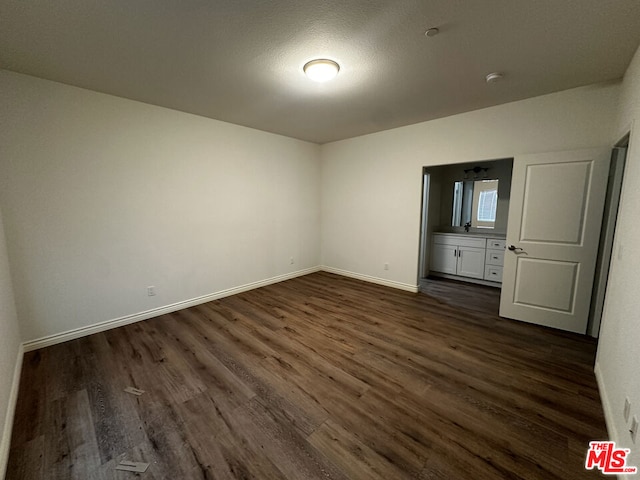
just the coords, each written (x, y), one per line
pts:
(367, 278)
(606, 405)
(137, 317)
(612, 431)
(5, 441)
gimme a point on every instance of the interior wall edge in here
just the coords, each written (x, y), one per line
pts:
(5, 441)
(368, 278)
(73, 334)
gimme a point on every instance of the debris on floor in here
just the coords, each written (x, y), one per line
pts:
(134, 391)
(133, 467)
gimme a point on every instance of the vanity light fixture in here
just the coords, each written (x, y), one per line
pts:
(321, 70)
(478, 172)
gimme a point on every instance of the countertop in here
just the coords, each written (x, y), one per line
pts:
(501, 236)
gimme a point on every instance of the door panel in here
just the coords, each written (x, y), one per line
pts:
(547, 187)
(557, 293)
(555, 213)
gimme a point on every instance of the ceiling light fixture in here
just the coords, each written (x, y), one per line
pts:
(432, 32)
(321, 70)
(494, 77)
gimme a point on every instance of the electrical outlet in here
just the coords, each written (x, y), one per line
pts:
(634, 429)
(291, 261)
(386, 266)
(627, 409)
(151, 291)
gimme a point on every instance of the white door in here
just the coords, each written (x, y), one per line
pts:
(555, 213)
(471, 262)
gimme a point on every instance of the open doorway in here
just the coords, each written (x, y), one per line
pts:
(439, 197)
(470, 199)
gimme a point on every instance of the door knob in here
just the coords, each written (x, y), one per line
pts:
(513, 248)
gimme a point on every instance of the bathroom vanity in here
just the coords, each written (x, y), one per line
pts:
(472, 257)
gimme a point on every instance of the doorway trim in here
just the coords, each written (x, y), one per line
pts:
(423, 271)
(607, 235)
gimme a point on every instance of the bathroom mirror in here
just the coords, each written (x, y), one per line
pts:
(475, 202)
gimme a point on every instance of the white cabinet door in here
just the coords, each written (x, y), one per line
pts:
(444, 258)
(555, 214)
(471, 262)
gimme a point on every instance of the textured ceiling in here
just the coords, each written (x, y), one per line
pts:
(241, 61)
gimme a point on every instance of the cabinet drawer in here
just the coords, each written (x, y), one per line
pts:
(496, 243)
(494, 257)
(459, 241)
(493, 273)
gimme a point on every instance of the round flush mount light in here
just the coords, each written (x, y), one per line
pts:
(432, 32)
(321, 70)
(494, 77)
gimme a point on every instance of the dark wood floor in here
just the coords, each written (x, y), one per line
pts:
(320, 377)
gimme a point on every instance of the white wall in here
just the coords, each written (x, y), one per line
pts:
(371, 185)
(618, 362)
(9, 351)
(104, 196)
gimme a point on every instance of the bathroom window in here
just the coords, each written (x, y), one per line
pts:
(485, 204)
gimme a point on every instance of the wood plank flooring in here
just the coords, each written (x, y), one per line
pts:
(320, 377)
